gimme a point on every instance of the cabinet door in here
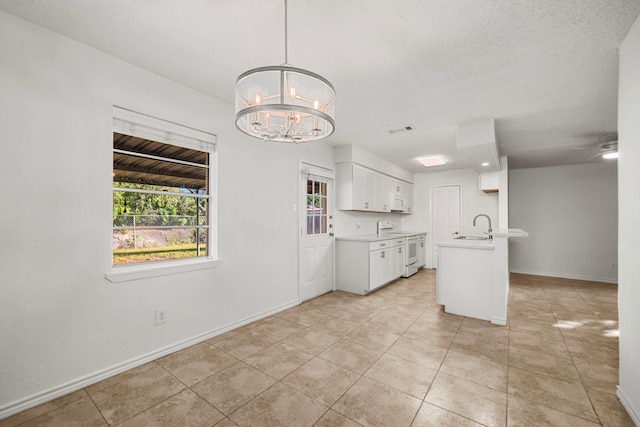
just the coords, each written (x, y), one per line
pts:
(363, 189)
(409, 188)
(402, 187)
(382, 193)
(399, 262)
(378, 267)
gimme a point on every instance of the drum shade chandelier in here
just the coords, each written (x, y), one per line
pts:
(285, 104)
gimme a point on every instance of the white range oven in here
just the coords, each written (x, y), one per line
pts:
(415, 249)
(412, 253)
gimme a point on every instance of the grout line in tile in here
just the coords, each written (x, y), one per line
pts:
(95, 405)
(572, 360)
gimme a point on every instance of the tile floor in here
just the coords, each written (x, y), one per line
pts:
(392, 358)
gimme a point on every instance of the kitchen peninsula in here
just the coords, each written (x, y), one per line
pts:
(473, 276)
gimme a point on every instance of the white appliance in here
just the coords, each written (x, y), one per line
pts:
(414, 250)
(412, 255)
(398, 201)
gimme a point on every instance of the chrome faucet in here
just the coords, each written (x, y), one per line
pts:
(488, 219)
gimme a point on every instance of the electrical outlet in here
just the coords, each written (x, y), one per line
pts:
(614, 265)
(161, 316)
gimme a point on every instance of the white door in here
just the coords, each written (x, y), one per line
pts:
(445, 215)
(316, 236)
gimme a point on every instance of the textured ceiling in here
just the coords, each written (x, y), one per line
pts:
(546, 70)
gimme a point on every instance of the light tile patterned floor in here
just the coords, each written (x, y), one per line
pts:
(392, 358)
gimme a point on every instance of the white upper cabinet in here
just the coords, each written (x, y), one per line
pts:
(400, 186)
(363, 189)
(382, 191)
(489, 182)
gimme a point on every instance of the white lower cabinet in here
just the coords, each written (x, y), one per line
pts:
(363, 266)
(465, 291)
(421, 250)
(379, 268)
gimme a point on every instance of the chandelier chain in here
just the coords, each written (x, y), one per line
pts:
(286, 35)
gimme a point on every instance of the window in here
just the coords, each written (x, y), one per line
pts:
(316, 206)
(163, 200)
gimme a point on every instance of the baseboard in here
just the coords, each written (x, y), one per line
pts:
(634, 413)
(499, 321)
(80, 383)
(567, 276)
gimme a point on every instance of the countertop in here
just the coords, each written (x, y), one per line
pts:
(469, 244)
(378, 237)
(483, 244)
(511, 232)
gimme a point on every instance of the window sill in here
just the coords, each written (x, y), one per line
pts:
(137, 272)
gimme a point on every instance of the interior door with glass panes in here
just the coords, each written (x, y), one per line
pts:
(316, 236)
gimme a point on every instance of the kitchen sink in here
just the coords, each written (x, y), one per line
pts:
(472, 237)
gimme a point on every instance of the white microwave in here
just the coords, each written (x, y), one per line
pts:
(398, 201)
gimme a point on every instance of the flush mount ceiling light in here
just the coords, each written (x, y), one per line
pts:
(429, 161)
(285, 104)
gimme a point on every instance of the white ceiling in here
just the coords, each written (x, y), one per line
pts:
(546, 70)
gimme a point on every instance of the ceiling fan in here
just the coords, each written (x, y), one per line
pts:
(607, 147)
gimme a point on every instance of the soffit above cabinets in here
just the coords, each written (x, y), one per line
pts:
(476, 143)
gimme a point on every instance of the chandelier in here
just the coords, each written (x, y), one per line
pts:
(285, 104)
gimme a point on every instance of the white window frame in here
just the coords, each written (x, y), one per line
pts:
(136, 124)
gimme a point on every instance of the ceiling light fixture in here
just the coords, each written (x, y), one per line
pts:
(285, 104)
(609, 151)
(430, 161)
(609, 146)
(485, 164)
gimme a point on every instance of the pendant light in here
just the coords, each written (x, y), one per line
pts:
(285, 104)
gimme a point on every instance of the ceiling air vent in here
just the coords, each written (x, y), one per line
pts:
(406, 128)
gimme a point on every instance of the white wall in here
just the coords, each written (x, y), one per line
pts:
(571, 214)
(473, 201)
(62, 323)
(351, 223)
(629, 222)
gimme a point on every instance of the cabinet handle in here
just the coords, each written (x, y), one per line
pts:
(421, 245)
(382, 254)
(399, 250)
(383, 244)
(366, 204)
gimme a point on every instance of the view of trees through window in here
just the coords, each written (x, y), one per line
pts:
(160, 201)
(316, 207)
